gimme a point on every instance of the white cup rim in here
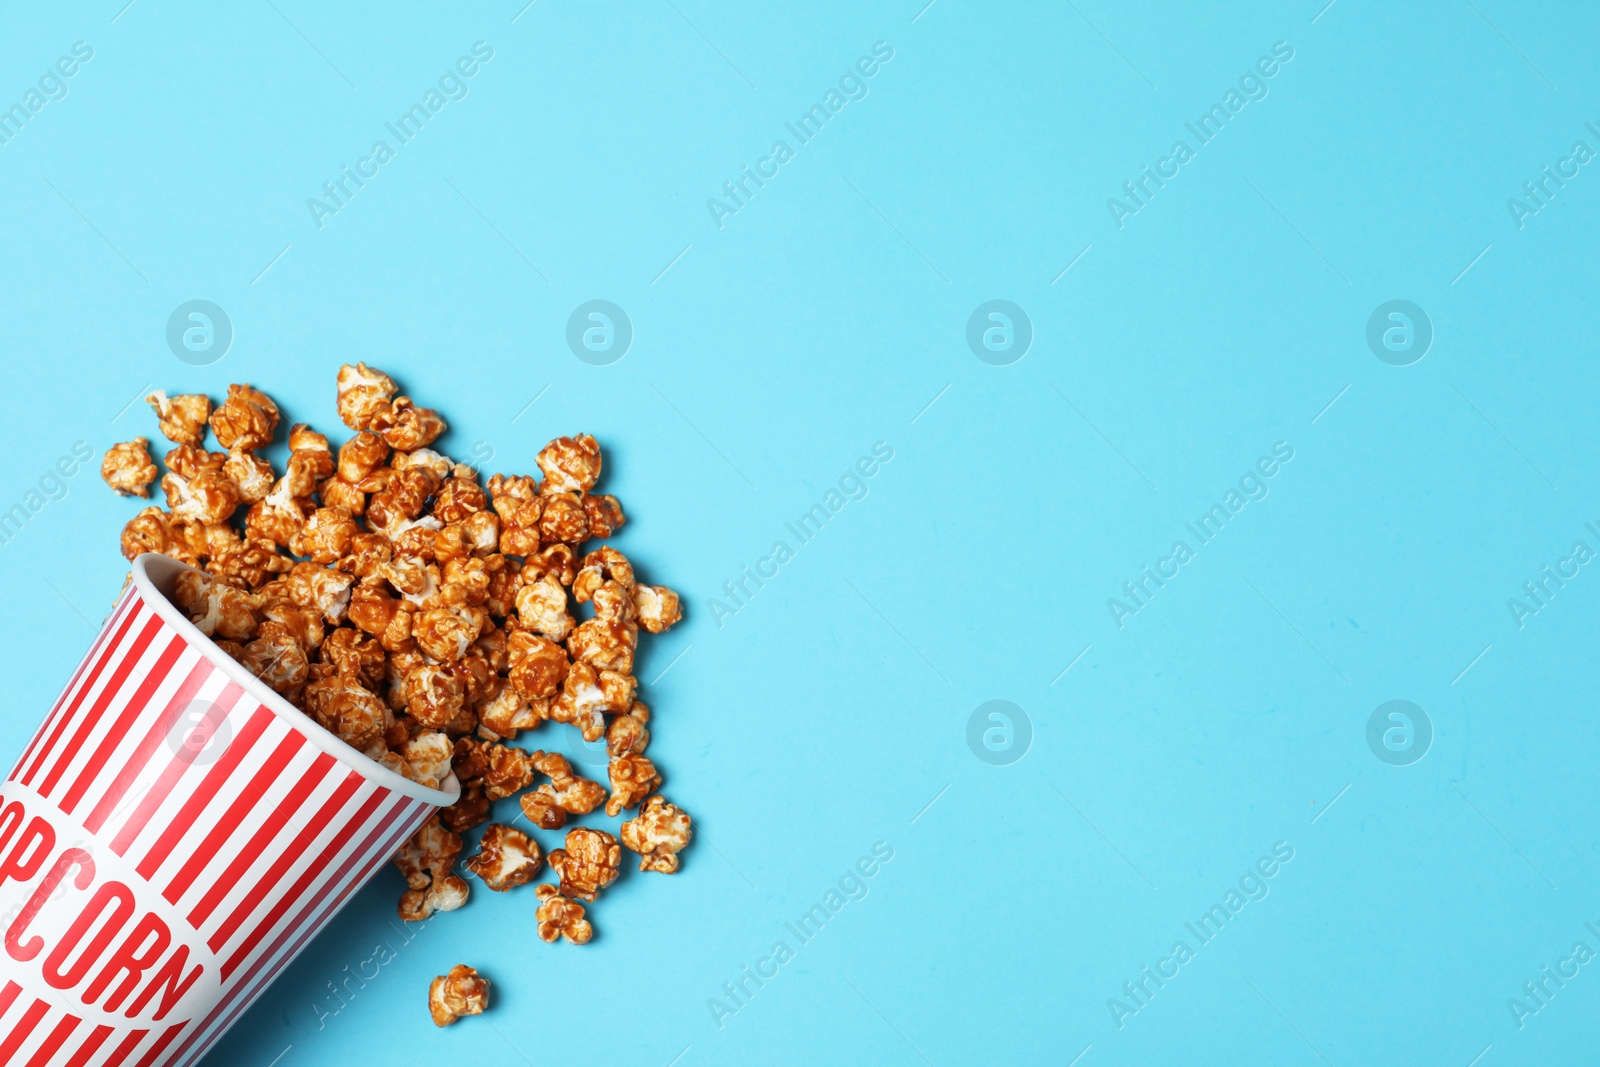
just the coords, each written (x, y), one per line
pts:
(152, 568)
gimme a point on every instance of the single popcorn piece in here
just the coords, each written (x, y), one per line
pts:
(589, 863)
(433, 695)
(658, 833)
(563, 519)
(278, 660)
(659, 607)
(251, 475)
(588, 694)
(565, 794)
(207, 498)
(570, 464)
(216, 608)
(427, 757)
(128, 468)
(341, 704)
(461, 992)
(506, 858)
(604, 564)
(560, 917)
(364, 392)
(538, 665)
(247, 419)
(182, 418)
(628, 734)
(407, 427)
(428, 861)
(632, 779)
(541, 606)
(326, 535)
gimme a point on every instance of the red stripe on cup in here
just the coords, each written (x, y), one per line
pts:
(257, 845)
(307, 923)
(131, 711)
(53, 1041)
(140, 758)
(86, 1051)
(161, 1046)
(169, 777)
(62, 760)
(22, 1030)
(294, 893)
(110, 654)
(83, 664)
(124, 1050)
(205, 792)
(304, 840)
(250, 796)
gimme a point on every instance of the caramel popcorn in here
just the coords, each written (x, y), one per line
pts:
(363, 393)
(405, 426)
(570, 464)
(248, 419)
(502, 769)
(217, 608)
(628, 733)
(565, 794)
(506, 858)
(461, 992)
(588, 864)
(425, 613)
(128, 468)
(632, 779)
(182, 418)
(428, 862)
(659, 607)
(559, 916)
(658, 833)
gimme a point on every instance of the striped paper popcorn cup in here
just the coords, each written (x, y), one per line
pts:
(172, 837)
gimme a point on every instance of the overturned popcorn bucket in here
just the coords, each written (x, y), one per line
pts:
(172, 837)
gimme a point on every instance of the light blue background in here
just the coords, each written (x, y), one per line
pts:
(826, 316)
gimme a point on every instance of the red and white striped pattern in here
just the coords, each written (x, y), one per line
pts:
(252, 844)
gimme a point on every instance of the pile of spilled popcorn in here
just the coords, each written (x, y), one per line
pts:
(426, 620)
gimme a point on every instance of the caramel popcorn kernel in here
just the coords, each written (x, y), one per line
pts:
(247, 418)
(566, 793)
(658, 833)
(363, 393)
(427, 862)
(461, 992)
(128, 468)
(559, 917)
(407, 427)
(570, 464)
(588, 864)
(182, 418)
(506, 858)
(632, 779)
(659, 607)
